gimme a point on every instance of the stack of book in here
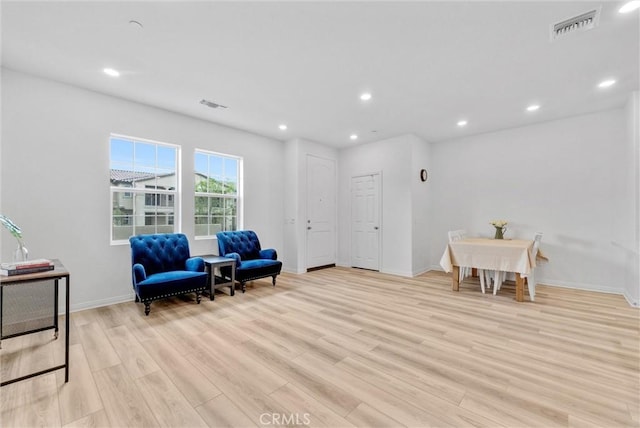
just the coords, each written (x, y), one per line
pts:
(30, 266)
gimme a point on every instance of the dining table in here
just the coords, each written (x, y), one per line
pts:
(505, 255)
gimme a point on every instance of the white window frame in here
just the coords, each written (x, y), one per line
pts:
(132, 191)
(239, 192)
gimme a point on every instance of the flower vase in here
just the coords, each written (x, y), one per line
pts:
(499, 233)
(21, 254)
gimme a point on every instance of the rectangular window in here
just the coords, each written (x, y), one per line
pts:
(144, 187)
(217, 193)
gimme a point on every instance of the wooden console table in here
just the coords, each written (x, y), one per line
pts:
(14, 291)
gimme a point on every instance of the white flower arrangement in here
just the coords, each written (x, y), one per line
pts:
(501, 228)
(498, 223)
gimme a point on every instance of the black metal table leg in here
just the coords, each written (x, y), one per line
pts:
(66, 333)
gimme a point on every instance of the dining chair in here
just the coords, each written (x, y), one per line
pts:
(485, 279)
(531, 279)
(500, 276)
(457, 235)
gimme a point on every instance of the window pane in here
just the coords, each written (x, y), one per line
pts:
(202, 206)
(231, 206)
(230, 167)
(122, 221)
(216, 185)
(143, 166)
(216, 223)
(216, 206)
(230, 176)
(201, 184)
(215, 167)
(145, 157)
(202, 225)
(121, 151)
(121, 203)
(167, 158)
(230, 223)
(216, 175)
(164, 229)
(166, 179)
(202, 172)
(230, 187)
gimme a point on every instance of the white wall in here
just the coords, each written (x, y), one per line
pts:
(296, 152)
(55, 178)
(392, 158)
(421, 206)
(629, 243)
(291, 208)
(565, 178)
(570, 179)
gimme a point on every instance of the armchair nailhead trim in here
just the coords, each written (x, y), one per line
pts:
(195, 290)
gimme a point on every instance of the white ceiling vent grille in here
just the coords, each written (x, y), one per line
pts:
(580, 23)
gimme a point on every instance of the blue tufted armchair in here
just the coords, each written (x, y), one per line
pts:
(252, 262)
(161, 267)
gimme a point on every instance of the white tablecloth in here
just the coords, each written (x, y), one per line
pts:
(508, 255)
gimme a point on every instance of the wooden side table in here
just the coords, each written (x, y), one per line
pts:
(22, 298)
(211, 262)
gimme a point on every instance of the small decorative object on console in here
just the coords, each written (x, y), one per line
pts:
(21, 268)
(21, 254)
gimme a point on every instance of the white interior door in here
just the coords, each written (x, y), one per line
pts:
(321, 212)
(365, 222)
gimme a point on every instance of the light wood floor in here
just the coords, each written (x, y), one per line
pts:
(338, 348)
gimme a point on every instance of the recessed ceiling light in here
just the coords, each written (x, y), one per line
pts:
(533, 107)
(606, 83)
(282, 127)
(354, 137)
(365, 97)
(462, 123)
(111, 72)
(630, 6)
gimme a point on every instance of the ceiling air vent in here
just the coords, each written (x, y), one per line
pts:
(580, 23)
(211, 104)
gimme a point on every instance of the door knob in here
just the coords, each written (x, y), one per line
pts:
(375, 228)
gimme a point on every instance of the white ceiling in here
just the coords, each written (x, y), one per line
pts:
(427, 64)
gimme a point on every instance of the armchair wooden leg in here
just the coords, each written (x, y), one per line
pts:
(147, 308)
(137, 300)
(274, 280)
(244, 286)
(199, 297)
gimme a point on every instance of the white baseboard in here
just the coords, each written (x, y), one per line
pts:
(421, 271)
(406, 274)
(631, 301)
(102, 302)
(579, 286)
(385, 271)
